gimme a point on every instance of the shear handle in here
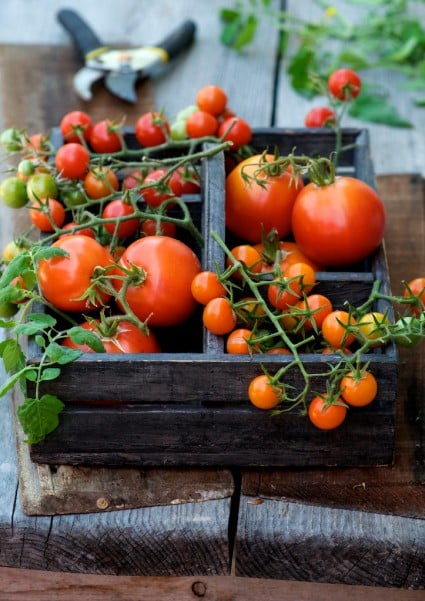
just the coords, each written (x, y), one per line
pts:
(84, 38)
(179, 39)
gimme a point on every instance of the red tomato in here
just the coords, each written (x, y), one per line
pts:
(100, 182)
(152, 227)
(74, 123)
(319, 116)
(326, 416)
(104, 138)
(235, 130)
(211, 99)
(47, 213)
(86, 231)
(162, 294)
(64, 280)
(344, 84)
(72, 160)
(118, 209)
(162, 188)
(335, 329)
(253, 209)
(415, 290)
(151, 129)
(298, 278)
(340, 223)
(200, 124)
(289, 253)
(123, 337)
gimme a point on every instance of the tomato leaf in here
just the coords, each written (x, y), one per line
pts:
(48, 252)
(62, 354)
(50, 373)
(299, 69)
(12, 355)
(17, 266)
(375, 108)
(39, 417)
(43, 319)
(83, 336)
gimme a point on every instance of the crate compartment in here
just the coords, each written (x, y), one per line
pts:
(190, 407)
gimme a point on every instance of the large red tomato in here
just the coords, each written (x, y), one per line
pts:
(64, 280)
(340, 223)
(124, 337)
(163, 293)
(254, 207)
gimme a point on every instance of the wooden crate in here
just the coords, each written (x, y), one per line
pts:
(188, 405)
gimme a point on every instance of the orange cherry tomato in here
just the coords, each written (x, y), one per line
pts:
(206, 286)
(218, 316)
(359, 390)
(334, 329)
(263, 394)
(326, 416)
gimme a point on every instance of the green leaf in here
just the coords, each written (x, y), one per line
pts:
(228, 15)
(82, 336)
(39, 417)
(62, 354)
(50, 373)
(31, 375)
(354, 60)
(43, 319)
(13, 357)
(299, 69)
(419, 102)
(49, 252)
(376, 109)
(16, 267)
(246, 33)
(29, 328)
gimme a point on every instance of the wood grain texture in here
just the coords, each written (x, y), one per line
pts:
(295, 541)
(399, 489)
(21, 585)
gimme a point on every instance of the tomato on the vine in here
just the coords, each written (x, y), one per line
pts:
(65, 280)
(255, 208)
(415, 290)
(163, 187)
(218, 316)
(344, 84)
(75, 124)
(359, 390)
(263, 393)
(72, 160)
(122, 336)
(373, 326)
(117, 209)
(47, 213)
(314, 307)
(200, 124)
(73, 228)
(211, 99)
(235, 130)
(241, 342)
(161, 292)
(155, 227)
(246, 254)
(151, 129)
(326, 415)
(320, 116)
(100, 182)
(104, 138)
(335, 329)
(13, 192)
(298, 278)
(340, 223)
(42, 185)
(206, 286)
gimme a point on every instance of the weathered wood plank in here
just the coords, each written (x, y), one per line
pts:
(20, 585)
(400, 489)
(294, 541)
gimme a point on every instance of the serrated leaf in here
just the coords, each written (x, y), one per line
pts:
(48, 252)
(353, 60)
(375, 108)
(29, 328)
(299, 69)
(39, 417)
(230, 31)
(43, 319)
(16, 267)
(82, 336)
(50, 373)
(13, 357)
(62, 354)
(39, 340)
(31, 375)
(247, 33)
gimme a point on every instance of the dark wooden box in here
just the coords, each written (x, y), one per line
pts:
(188, 406)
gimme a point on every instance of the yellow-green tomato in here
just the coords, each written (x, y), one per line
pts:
(12, 250)
(13, 192)
(41, 185)
(373, 326)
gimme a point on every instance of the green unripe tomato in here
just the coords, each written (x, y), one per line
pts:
(10, 139)
(13, 192)
(188, 110)
(41, 185)
(26, 168)
(178, 130)
(73, 197)
(409, 331)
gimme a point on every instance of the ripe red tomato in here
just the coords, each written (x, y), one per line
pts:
(200, 124)
(298, 278)
(326, 416)
(211, 99)
(64, 280)
(235, 130)
(74, 123)
(162, 190)
(153, 227)
(415, 290)
(344, 84)
(122, 337)
(340, 223)
(118, 209)
(72, 160)
(254, 209)
(47, 213)
(104, 138)
(151, 129)
(162, 295)
(86, 231)
(100, 182)
(263, 394)
(319, 116)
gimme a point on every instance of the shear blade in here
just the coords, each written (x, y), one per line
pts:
(83, 81)
(122, 85)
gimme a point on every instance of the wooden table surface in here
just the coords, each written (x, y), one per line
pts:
(179, 531)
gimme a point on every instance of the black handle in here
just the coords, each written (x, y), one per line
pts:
(82, 35)
(179, 40)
